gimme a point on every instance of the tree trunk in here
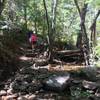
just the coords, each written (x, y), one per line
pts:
(25, 12)
(11, 10)
(53, 26)
(44, 27)
(35, 21)
(53, 21)
(49, 35)
(82, 14)
(2, 2)
(85, 40)
(79, 40)
(93, 28)
(35, 27)
(83, 28)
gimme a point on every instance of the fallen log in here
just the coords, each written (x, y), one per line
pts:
(69, 52)
(69, 55)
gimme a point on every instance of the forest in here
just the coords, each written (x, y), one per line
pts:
(49, 50)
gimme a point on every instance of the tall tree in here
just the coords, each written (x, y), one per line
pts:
(35, 21)
(93, 28)
(2, 2)
(85, 40)
(11, 10)
(48, 24)
(25, 12)
(51, 26)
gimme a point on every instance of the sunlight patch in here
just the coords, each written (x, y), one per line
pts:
(25, 58)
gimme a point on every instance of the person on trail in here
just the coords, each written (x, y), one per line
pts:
(29, 35)
(33, 40)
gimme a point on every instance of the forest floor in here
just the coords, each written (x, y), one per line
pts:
(34, 71)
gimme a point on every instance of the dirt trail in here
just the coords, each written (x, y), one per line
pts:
(26, 84)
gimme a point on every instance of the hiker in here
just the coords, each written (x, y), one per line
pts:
(32, 39)
(29, 36)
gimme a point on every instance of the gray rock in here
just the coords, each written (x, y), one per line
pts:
(22, 98)
(20, 86)
(28, 71)
(11, 97)
(98, 92)
(31, 97)
(26, 96)
(90, 85)
(57, 82)
(93, 97)
(89, 73)
(76, 81)
(3, 93)
(36, 86)
(10, 91)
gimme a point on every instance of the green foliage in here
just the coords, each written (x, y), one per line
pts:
(88, 1)
(77, 93)
(97, 3)
(67, 18)
(97, 50)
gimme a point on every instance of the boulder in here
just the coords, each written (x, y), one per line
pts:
(19, 86)
(3, 93)
(57, 82)
(88, 73)
(90, 85)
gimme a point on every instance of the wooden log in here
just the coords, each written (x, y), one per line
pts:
(69, 53)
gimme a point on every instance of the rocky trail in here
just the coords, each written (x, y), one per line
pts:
(38, 80)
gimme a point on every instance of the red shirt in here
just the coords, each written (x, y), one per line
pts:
(33, 38)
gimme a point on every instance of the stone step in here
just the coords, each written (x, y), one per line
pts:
(30, 54)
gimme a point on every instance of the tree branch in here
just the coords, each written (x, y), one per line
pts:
(78, 8)
(2, 2)
(93, 28)
(97, 15)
